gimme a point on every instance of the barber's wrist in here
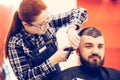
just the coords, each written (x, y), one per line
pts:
(53, 61)
(72, 27)
(52, 67)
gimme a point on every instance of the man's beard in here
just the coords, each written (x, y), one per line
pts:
(92, 64)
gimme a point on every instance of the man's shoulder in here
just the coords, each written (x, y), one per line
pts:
(112, 70)
(113, 74)
(70, 72)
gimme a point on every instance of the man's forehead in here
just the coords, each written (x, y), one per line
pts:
(90, 39)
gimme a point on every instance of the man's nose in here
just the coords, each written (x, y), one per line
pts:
(95, 50)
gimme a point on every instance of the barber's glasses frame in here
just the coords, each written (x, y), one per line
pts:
(42, 24)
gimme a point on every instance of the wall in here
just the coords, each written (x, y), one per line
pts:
(7, 8)
(5, 17)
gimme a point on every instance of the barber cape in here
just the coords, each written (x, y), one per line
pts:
(79, 73)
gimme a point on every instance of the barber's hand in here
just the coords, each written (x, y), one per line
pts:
(59, 56)
(73, 37)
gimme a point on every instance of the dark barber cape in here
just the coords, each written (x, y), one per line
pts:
(79, 73)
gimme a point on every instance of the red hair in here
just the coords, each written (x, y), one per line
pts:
(28, 10)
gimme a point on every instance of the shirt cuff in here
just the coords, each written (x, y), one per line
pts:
(51, 67)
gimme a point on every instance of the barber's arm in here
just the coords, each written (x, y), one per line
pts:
(79, 16)
(73, 20)
(74, 17)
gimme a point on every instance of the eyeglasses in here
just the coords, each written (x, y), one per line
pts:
(42, 24)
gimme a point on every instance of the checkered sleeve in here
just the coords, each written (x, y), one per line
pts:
(20, 65)
(76, 16)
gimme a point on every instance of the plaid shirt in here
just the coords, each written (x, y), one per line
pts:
(19, 52)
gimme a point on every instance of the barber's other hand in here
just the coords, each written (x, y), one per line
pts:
(73, 37)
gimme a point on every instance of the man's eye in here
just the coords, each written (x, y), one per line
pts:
(100, 47)
(88, 46)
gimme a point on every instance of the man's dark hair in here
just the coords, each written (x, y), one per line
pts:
(90, 31)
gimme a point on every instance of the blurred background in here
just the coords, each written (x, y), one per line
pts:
(103, 14)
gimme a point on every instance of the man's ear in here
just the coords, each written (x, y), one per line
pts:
(78, 51)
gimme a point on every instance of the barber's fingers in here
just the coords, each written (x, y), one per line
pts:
(61, 55)
(65, 53)
(74, 44)
(58, 56)
(73, 38)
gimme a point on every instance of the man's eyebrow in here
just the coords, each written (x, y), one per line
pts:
(101, 44)
(88, 43)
